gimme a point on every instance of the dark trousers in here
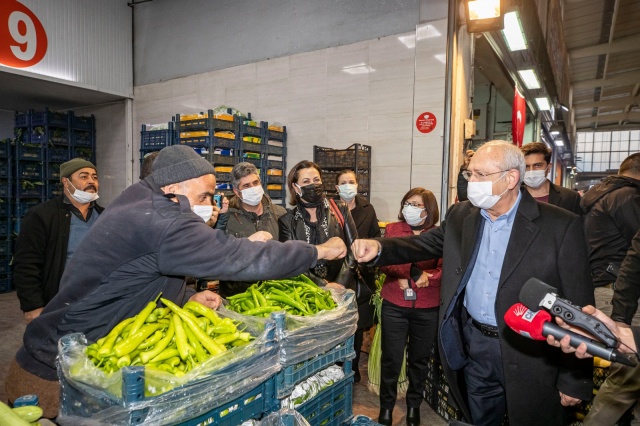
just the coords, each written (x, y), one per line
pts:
(357, 346)
(484, 377)
(414, 329)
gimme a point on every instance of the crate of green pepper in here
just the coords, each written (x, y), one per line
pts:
(168, 365)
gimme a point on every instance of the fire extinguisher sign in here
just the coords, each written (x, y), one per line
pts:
(23, 39)
(426, 122)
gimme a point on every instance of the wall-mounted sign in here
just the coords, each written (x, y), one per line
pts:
(426, 122)
(23, 40)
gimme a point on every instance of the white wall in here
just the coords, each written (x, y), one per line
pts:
(322, 105)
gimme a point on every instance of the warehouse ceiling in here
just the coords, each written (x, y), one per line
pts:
(603, 41)
(21, 93)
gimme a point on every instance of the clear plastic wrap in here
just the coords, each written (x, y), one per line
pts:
(304, 337)
(284, 417)
(91, 397)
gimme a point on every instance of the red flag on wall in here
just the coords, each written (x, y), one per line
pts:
(518, 117)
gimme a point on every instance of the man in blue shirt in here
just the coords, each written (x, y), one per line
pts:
(490, 246)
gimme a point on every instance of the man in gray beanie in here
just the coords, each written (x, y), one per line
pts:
(151, 237)
(51, 232)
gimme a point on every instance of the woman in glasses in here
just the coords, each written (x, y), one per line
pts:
(411, 298)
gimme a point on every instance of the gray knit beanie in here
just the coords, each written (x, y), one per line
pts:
(177, 163)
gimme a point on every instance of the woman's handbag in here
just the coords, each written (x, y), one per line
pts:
(363, 291)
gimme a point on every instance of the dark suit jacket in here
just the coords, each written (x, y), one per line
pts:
(546, 242)
(565, 198)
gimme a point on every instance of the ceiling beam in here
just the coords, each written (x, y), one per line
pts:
(622, 116)
(609, 103)
(621, 45)
(622, 79)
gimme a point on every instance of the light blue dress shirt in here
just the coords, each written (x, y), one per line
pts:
(481, 290)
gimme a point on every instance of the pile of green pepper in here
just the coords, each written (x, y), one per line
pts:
(297, 296)
(171, 339)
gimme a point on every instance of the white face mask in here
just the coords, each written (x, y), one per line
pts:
(252, 196)
(348, 191)
(535, 178)
(204, 212)
(412, 215)
(82, 197)
(481, 193)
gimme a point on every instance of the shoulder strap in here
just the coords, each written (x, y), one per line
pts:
(336, 212)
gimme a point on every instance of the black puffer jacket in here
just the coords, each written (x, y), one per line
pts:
(612, 218)
(625, 298)
(341, 271)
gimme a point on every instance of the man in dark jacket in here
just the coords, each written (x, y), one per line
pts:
(50, 233)
(612, 218)
(151, 237)
(490, 246)
(537, 156)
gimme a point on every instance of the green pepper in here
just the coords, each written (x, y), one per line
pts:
(262, 310)
(160, 346)
(201, 355)
(202, 310)
(224, 329)
(157, 336)
(107, 347)
(254, 296)
(226, 338)
(135, 339)
(142, 316)
(244, 295)
(287, 301)
(165, 354)
(210, 345)
(181, 338)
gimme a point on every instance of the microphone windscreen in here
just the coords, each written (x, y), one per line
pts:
(526, 322)
(533, 291)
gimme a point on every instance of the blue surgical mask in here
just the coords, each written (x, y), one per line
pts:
(348, 191)
(83, 197)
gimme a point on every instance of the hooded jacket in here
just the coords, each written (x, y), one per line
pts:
(611, 219)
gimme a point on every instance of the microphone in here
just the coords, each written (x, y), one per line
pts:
(535, 293)
(538, 325)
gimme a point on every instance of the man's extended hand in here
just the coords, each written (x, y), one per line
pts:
(261, 236)
(31, 315)
(568, 401)
(365, 250)
(207, 298)
(333, 248)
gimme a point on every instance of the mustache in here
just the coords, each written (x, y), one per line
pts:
(90, 187)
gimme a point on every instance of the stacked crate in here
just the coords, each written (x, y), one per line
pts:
(6, 208)
(274, 169)
(153, 139)
(356, 157)
(83, 137)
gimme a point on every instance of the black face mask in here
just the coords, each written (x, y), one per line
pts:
(312, 193)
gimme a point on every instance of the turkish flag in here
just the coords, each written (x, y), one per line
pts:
(518, 117)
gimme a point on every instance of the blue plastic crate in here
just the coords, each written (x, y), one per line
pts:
(224, 160)
(58, 154)
(5, 208)
(155, 140)
(53, 136)
(218, 124)
(275, 150)
(30, 152)
(5, 170)
(48, 118)
(5, 148)
(276, 135)
(54, 190)
(53, 171)
(275, 179)
(16, 226)
(30, 171)
(5, 265)
(251, 147)
(224, 143)
(5, 189)
(197, 142)
(21, 120)
(37, 191)
(273, 164)
(250, 130)
(6, 247)
(363, 421)
(5, 228)
(332, 406)
(84, 153)
(202, 123)
(22, 206)
(82, 122)
(289, 376)
(82, 138)
(6, 284)
(223, 177)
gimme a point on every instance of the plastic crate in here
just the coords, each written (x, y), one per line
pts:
(224, 160)
(6, 247)
(5, 228)
(82, 138)
(251, 147)
(197, 142)
(364, 421)
(251, 130)
(21, 120)
(23, 206)
(5, 208)
(5, 148)
(274, 179)
(217, 124)
(6, 284)
(54, 190)
(332, 406)
(356, 156)
(5, 189)
(53, 171)
(274, 134)
(30, 152)
(53, 136)
(223, 177)
(201, 123)
(37, 191)
(48, 118)
(82, 122)
(30, 171)
(289, 376)
(275, 150)
(5, 170)
(5, 265)
(84, 153)
(58, 154)
(155, 140)
(224, 143)
(273, 164)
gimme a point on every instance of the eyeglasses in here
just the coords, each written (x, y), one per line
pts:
(480, 176)
(419, 206)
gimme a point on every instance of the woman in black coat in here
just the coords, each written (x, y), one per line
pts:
(366, 221)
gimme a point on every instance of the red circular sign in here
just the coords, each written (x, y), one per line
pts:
(426, 122)
(23, 40)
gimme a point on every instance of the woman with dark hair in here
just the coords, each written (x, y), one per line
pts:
(312, 219)
(364, 216)
(411, 298)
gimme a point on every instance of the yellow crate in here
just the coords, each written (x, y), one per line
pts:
(274, 187)
(193, 134)
(186, 117)
(223, 169)
(274, 172)
(225, 135)
(276, 128)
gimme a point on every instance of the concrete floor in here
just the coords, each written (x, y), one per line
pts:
(364, 401)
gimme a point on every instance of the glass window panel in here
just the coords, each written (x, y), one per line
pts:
(580, 137)
(617, 146)
(605, 157)
(587, 166)
(588, 157)
(589, 137)
(597, 137)
(615, 165)
(597, 157)
(634, 146)
(616, 136)
(588, 146)
(635, 135)
(606, 136)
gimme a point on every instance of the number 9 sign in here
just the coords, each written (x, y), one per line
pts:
(23, 40)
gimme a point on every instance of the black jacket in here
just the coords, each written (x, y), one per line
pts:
(565, 198)
(341, 271)
(546, 242)
(41, 252)
(627, 291)
(611, 219)
(147, 244)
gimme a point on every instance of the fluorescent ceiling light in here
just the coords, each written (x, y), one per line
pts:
(427, 31)
(358, 69)
(483, 9)
(543, 104)
(558, 142)
(408, 40)
(564, 107)
(529, 78)
(442, 57)
(513, 33)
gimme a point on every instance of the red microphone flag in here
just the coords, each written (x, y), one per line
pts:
(526, 322)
